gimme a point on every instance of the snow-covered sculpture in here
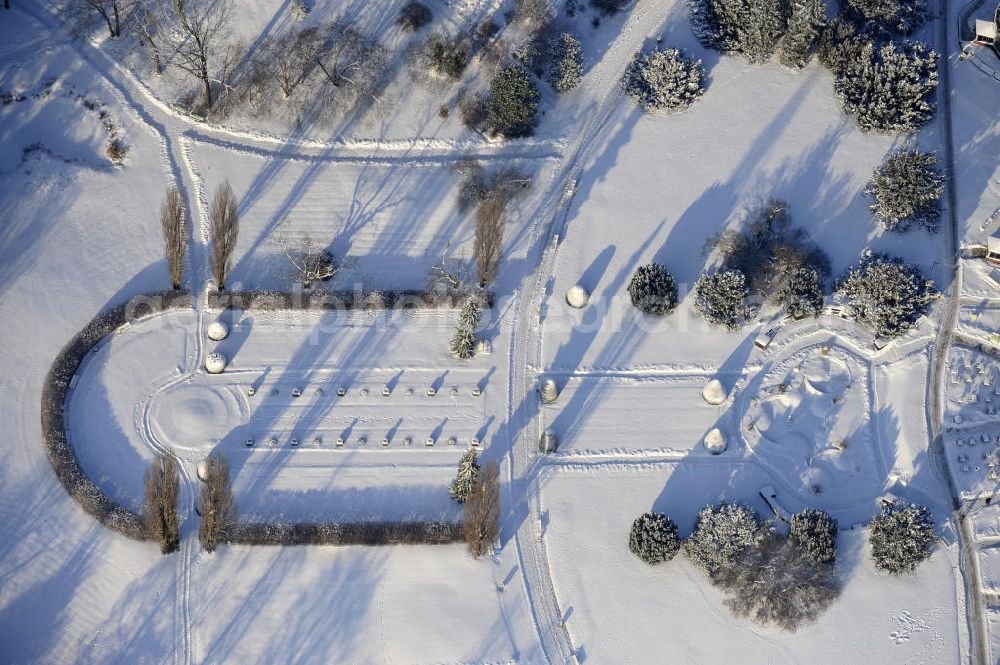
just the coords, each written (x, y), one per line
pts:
(549, 391)
(714, 392)
(715, 441)
(217, 331)
(577, 296)
(548, 443)
(215, 363)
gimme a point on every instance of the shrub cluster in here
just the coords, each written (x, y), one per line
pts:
(512, 105)
(721, 298)
(886, 294)
(901, 537)
(449, 56)
(816, 532)
(752, 28)
(722, 537)
(413, 16)
(906, 190)
(801, 295)
(664, 80)
(566, 62)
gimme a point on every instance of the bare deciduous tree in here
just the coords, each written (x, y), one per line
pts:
(488, 247)
(159, 509)
(146, 23)
(310, 263)
(293, 57)
(175, 234)
(111, 11)
(215, 503)
(481, 523)
(351, 61)
(199, 25)
(225, 229)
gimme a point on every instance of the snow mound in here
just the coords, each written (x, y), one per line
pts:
(715, 441)
(577, 296)
(714, 392)
(217, 331)
(215, 362)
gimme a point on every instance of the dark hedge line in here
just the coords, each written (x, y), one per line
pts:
(347, 533)
(266, 300)
(57, 382)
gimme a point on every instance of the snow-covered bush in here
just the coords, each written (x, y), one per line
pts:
(752, 28)
(512, 106)
(840, 44)
(413, 16)
(565, 62)
(886, 294)
(901, 536)
(906, 190)
(447, 55)
(664, 80)
(888, 88)
(465, 478)
(722, 536)
(609, 6)
(805, 23)
(802, 293)
(653, 289)
(901, 16)
(721, 298)
(463, 343)
(816, 532)
(653, 538)
(777, 583)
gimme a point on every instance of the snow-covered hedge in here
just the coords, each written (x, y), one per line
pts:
(664, 80)
(906, 190)
(653, 538)
(345, 533)
(886, 294)
(60, 450)
(901, 536)
(269, 300)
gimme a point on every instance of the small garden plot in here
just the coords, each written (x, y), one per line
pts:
(807, 419)
(599, 583)
(106, 411)
(972, 387)
(664, 415)
(387, 221)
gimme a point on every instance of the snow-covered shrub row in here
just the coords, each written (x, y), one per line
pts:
(664, 80)
(653, 538)
(565, 62)
(721, 298)
(885, 293)
(344, 533)
(900, 16)
(752, 28)
(906, 190)
(61, 454)
(269, 300)
(722, 536)
(653, 290)
(768, 249)
(816, 532)
(901, 536)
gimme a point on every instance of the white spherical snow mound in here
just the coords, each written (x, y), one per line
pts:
(217, 331)
(577, 296)
(215, 362)
(715, 441)
(714, 392)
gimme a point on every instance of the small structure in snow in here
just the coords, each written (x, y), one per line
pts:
(986, 32)
(714, 392)
(548, 443)
(484, 347)
(215, 362)
(217, 331)
(549, 391)
(715, 441)
(203, 470)
(577, 297)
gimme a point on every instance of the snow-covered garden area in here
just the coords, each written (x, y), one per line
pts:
(497, 331)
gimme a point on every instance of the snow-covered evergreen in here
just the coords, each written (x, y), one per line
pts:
(654, 538)
(907, 190)
(805, 23)
(815, 531)
(749, 27)
(889, 88)
(463, 343)
(901, 536)
(722, 536)
(802, 293)
(721, 298)
(512, 107)
(566, 62)
(664, 80)
(885, 293)
(653, 289)
(900, 16)
(465, 478)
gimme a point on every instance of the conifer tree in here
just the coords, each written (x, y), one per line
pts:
(465, 479)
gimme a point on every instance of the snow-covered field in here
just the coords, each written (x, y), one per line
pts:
(819, 417)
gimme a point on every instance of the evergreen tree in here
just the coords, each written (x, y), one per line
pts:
(465, 479)
(722, 536)
(463, 343)
(721, 298)
(566, 57)
(886, 294)
(901, 536)
(512, 106)
(653, 538)
(664, 80)
(806, 22)
(802, 294)
(653, 290)
(906, 190)
(748, 27)
(815, 531)
(888, 16)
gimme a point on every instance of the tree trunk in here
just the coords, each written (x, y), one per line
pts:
(107, 19)
(6, 4)
(208, 88)
(118, 23)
